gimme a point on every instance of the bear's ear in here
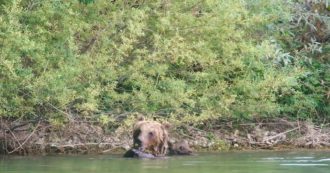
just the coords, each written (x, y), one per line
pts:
(166, 125)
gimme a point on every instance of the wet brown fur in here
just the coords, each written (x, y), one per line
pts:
(180, 148)
(150, 136)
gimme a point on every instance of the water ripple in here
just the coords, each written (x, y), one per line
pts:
(307, 164)
(297, 161)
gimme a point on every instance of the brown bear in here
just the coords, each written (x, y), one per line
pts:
(150, 136)
(179, 148)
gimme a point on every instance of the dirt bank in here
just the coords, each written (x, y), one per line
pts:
(79, 137)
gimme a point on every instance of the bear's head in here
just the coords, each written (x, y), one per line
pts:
(150, 136)
(180, 148)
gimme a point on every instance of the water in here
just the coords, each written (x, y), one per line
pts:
(228, 162)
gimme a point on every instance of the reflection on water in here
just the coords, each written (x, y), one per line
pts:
(299, 161)
(228, 162)
(308, 164)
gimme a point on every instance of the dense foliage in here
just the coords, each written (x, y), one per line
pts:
(189, 60)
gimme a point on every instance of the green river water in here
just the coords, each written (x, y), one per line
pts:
(227, 162)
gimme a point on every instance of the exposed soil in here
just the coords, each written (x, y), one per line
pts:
(86, 137)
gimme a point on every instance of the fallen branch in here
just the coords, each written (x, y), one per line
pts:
(26, 139)
(280, 134)
(19, 144)
(81, 144)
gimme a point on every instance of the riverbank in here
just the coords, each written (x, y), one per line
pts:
(74, 73)
(82, 137)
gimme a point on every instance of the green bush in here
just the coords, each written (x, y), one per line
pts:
(191, 60)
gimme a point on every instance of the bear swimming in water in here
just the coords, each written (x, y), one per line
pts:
(179, 148)
(150, 140)
(150, 136)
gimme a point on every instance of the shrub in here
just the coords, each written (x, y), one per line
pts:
(63, 60)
